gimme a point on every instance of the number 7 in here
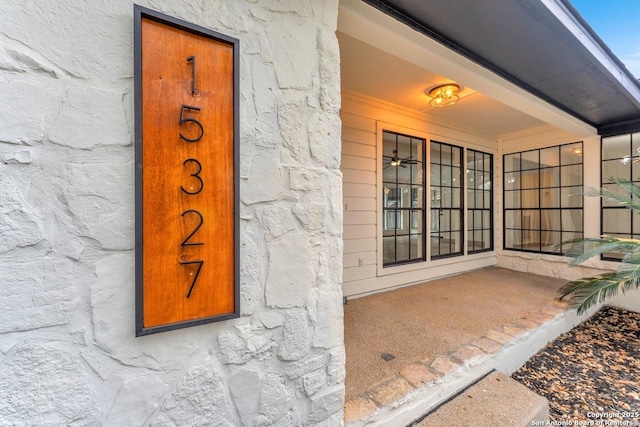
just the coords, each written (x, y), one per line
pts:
(195, 278)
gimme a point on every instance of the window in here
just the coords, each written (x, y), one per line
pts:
(543, 198)
(620, 160)
(446, 200)
(479, 202)
(403, 211)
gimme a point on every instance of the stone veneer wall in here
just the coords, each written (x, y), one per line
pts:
(68, 355)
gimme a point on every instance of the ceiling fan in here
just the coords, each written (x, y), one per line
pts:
(397, 161)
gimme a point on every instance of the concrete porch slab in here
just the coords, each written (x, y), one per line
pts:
(442, 336)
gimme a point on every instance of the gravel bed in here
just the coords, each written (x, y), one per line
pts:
(591, 375)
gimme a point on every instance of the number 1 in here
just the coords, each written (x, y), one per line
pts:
(192, 59)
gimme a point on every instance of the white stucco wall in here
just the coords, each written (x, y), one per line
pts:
(68, 355)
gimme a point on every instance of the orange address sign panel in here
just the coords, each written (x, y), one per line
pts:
(186, 183)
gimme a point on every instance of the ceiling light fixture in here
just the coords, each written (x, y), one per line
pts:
(444, 95)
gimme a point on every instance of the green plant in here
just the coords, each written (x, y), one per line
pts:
(586, 292)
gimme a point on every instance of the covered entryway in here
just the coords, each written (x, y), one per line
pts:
(433, 188)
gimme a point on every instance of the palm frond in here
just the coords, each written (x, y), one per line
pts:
(583, 249)
(584, 293)
(630, 199)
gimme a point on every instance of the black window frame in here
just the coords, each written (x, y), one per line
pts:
(471, 218)
(562, 247)
(396, 210)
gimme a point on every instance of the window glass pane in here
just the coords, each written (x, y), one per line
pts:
(456, 222)
(635, 228)
(616, 147)
(436, 156)
(530, 160)
(568, 237)
(417, 153)
(445, 154)
(571, 175)
(635, 169)
(550, 219)
(457, 198)
(549, 157)
(456, 156)
(486, 219)
(456, 179)
(530, 179)
(512, 162)
(513, 239)
(550, 198)
(512, 180)
(417, 196)
(416, 246)
(550, 177)
(487, 163)
(477, 219)
(531, 219)
(416, 221)
(389, 249)
(572, 220)
(616, 221)
(487, 200)
(417, 173)
(571, 197)
(612, 169)
(616, 189)
(635, 145)
(530, 198)
(512, 199)
(388, 144)
(471, 199)
(456, 242)
(435, 174)
(445, 176)
(388, 172)
(404, 173)
(404, 147)
(402, 196)
(571, 154)
(549, 240)
(402, 248)
(486, 239)
(482, 202)
(513, 219)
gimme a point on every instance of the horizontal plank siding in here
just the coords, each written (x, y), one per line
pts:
(360, 150)
(358, 176)
(359, 218)
(360, 259)
(358, 245)
(359, 136)
(360, 163)
(359, 190)
(359, 204)
(358, 231)
(359, 273)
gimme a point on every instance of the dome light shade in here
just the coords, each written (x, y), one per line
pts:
(444, 95)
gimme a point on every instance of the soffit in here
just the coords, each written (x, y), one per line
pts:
(543, 46)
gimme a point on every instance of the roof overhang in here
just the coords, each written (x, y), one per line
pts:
(542, 46)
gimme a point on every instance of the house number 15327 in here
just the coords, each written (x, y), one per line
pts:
(194, 183)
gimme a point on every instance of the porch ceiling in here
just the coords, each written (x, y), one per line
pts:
(542, 46)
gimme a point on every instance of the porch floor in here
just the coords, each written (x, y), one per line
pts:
(428, 330)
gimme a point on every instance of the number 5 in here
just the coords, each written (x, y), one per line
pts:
(190, 120)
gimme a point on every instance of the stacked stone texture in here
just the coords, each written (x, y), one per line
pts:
(68, 355)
